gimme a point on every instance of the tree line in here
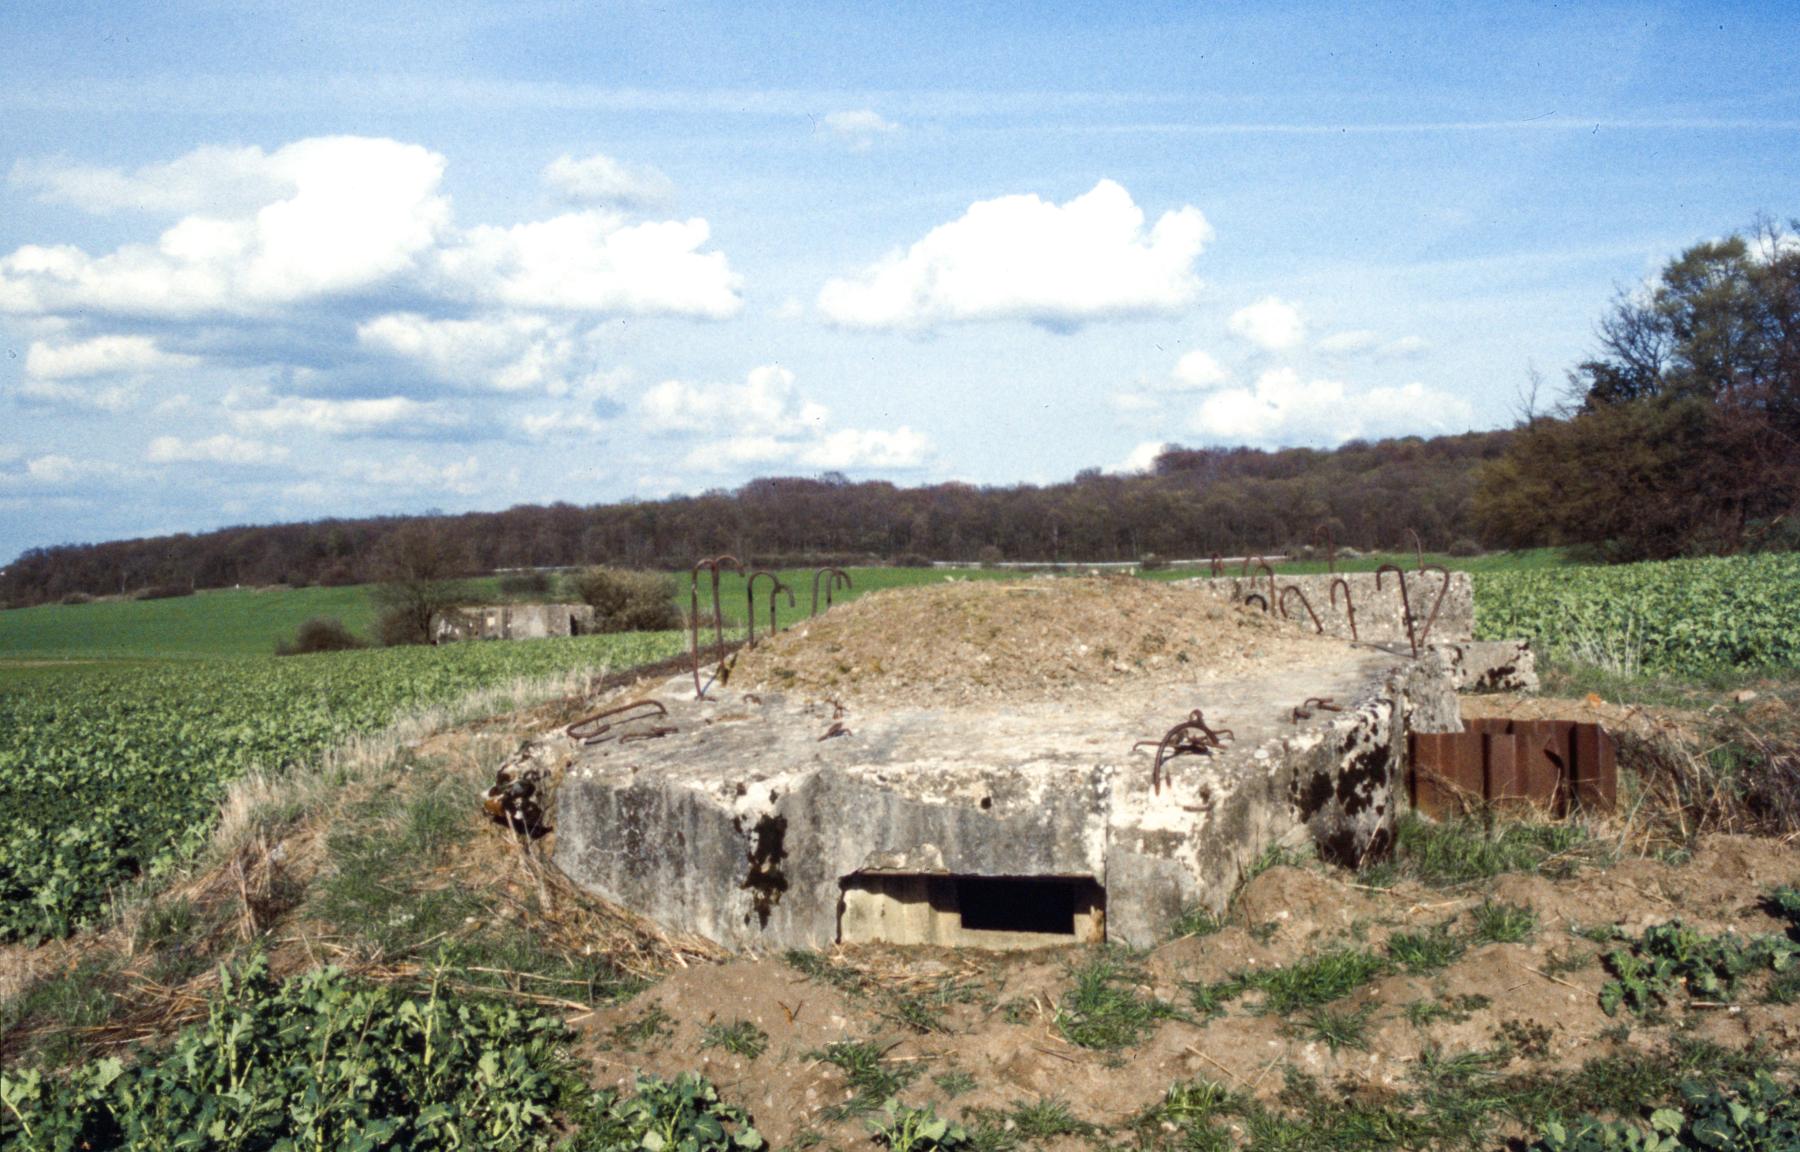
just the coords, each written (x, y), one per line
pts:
(1195, 502)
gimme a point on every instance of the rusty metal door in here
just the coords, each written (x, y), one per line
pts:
(1551, 765)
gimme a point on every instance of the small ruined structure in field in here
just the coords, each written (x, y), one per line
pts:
(1003, 764)
(511, 622)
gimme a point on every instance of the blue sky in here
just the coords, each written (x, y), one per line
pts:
(282, 263)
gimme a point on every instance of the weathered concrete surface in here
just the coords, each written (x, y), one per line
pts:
(751, 826)
(1380, 618)
(512, 622)
(1477, 666)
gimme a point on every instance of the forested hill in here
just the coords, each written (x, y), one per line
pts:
(1195, 502)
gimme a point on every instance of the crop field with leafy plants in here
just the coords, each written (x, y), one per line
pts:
(110, 772)
(1675, 616)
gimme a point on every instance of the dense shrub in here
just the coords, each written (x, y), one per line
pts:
(339, 575)
(1151, 562)
(525, 583)
(625, 601)
(989, 556)
(164, 592)
(910, 560)
(321, 634)
(398, 626)
(77, 598)
(1464, 546)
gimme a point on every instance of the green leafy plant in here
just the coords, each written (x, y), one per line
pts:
(680, 1115)
(907, 1129)
(319, 1061)
(1653, 970)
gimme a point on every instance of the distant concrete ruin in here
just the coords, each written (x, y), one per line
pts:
(763, 819)
(511, 622)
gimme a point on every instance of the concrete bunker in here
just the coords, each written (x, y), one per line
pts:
(965, 765)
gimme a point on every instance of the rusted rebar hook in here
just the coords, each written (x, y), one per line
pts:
(1405, 603)
(1294, 590)
(1304, 710)
(712, 564)
(776, 589)
(1218, 564)
(1191, 737)
(1418, 549)
(593, 729)
(838, 578)
(1349, 608)
(1443, 590)
(1264, 566)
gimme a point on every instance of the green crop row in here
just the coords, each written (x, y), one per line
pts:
(111, 773)
(1675, 616)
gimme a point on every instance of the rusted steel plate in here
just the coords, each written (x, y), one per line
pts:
(1549, 764)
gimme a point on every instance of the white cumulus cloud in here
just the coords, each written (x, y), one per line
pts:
(593, 261)
(765, 421)
(413, 474)
(1025, 258)
(506, 352)
(1271, 324)
(221, 449)
(1349, 343)
(209, 179)
(100, 356)
(1282, 407)
(859, 128)
(333, 417)
(1141, 458)
(351, 213)
(1196, 371)
(605, 182)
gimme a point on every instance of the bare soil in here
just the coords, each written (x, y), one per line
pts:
(999, 1022)
(1042, 639)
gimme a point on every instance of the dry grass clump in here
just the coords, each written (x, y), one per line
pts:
(1735, 772)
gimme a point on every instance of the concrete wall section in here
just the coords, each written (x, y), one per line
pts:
(751, 826)
(512, 622)
(1380, 618)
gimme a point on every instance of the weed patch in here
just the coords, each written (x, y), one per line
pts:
(1104, 1009)
(740, 1038)
(1499, 923)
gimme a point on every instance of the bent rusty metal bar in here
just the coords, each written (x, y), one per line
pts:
(1405, 604)
(774, 592)
(1330, 546)
(1218, 564)
(1349, 608)
(1418, 549)
(712, 564)
(1264, 565)
(1191, 736)
(593, 729)
(1304, 710)
(750, 601)
(1258, 597)
(836, 578)
(656, 733)
(1443, 590)
(1294, 590)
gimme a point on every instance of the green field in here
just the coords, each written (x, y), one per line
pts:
(113, 771)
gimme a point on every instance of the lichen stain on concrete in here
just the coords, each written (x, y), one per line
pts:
(765, 880)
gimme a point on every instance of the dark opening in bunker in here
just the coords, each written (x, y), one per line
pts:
(1011, 904)
(971, 911)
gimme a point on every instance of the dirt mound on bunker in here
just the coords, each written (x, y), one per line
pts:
(1037, 638)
